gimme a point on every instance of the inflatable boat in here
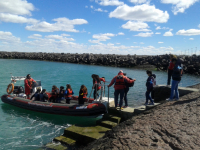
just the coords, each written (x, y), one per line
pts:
(91, 107)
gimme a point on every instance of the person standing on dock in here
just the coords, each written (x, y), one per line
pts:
(149, 85)
(119, 86)
(28, 82)
(96, 84)
(126, 89)
(176, 78)
(170, 69)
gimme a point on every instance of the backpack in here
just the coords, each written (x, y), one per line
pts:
(130, 84)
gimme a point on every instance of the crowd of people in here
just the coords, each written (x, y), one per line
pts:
(121, 82)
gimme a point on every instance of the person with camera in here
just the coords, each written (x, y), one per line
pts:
(28, 83)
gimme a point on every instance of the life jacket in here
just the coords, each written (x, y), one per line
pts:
(69, 93)
(84, 95)
(53, 92)
(30, 82)
(120, 83)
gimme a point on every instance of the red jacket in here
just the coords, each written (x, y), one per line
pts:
(171, 65)
(120, 83)
(28, 84)
(98, 86)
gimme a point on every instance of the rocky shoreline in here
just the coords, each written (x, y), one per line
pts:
(170, 126)
(161, 62)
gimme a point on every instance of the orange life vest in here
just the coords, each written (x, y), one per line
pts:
(69, 93)
(30, 82)
(120, 83)
(84, 95)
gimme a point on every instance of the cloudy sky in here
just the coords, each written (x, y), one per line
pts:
(100, 26)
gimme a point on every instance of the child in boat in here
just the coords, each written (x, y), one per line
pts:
(82, 95)
(60, 95)
(43, 96)
(36, 94)
(68, 93)
(54, 93)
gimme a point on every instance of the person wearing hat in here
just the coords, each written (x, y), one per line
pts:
(119, 86)
(28, 83)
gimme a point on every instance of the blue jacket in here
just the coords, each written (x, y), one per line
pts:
(149, 83)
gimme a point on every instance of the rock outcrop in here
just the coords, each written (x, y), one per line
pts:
(161, 62)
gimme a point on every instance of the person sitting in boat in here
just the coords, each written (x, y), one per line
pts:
(36, 94)
(82, 95)
(54, 93)
(43, 96)
(28, 82)
(68, 93)
(96, 84)
(61, 94)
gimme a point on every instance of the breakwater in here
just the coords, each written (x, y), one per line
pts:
(161, 62)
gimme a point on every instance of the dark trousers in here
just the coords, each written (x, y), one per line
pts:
(81, 101)
(68, 100)
(116, 94)
(148, 97)
(169, 76)
(95, 94)
(125, 96)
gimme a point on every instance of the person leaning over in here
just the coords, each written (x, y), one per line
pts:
(96, 84)
(68, 93)
(36, 94)
(149, 85)
(119, 86)
(170, 69)
(28, 82)
(176, 78)
(82, 95)
(43, 96)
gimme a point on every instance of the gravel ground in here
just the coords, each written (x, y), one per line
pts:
(171, 126)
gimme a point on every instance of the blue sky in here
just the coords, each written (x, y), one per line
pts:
(149, 27)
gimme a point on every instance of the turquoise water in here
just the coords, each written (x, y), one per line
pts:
(24, 129)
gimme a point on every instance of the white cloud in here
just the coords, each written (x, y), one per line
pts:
(168, 33)
(160, 42)
(62, 24)
(199, 25)
(179, 6)
(157, 33)
(141, 43)
(8, 37)
(5, 17)
(109, 2)
(16, 7)
(35, 36)
(100, 10)
(120, 33)
(101, 37)
(59, 37)
(91, 7)
(189, 32)
(138, 1)
(14, 11)
(158, 28)
(144, 13)
(86, 6)
(191, 38)
(136, 26)
(147, 34)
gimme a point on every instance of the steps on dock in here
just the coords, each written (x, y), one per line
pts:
(65, 140)
(55, 146)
